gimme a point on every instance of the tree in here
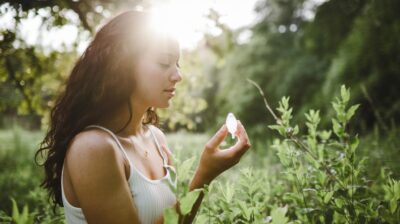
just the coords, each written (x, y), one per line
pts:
(290, 53)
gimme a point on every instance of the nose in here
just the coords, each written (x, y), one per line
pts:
(175, 75)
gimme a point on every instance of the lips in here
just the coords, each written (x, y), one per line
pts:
(170, 92)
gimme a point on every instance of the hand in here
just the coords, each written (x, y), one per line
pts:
(215, 161)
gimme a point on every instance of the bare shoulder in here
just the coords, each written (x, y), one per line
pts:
(91, 143)
(96, 171)
(91, 153)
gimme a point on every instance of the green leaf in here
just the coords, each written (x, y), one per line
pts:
(15, 212)
(336, 127)
(325, 135)
(396, 186)
(328, 197)
(393, 205)
(228, 192)
(25, 213)
(283, 155)
(339, 203)
(345, 94)
(245, 210)
(202, 219)
(296, 130)
(285, 102)
(278, 215)
(354, 144)
(310, 190)
(279, 128)
(184, 169)
(351, 111)
(186, 203)
(337, 108)
(170, 216)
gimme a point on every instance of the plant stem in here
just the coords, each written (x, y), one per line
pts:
(265, 100)
(299, 143)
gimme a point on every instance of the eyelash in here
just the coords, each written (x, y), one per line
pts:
(167, 65)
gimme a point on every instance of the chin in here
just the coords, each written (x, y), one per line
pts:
(164, 105)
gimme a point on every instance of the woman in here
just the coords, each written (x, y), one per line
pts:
(106, 160)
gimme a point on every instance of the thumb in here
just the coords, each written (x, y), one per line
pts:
(217, 139)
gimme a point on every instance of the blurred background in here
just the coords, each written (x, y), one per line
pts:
(304, 49)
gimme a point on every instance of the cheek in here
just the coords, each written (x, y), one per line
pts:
(148, 77)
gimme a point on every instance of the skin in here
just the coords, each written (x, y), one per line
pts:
(96, 172)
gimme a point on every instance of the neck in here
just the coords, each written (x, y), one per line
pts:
(120, 117)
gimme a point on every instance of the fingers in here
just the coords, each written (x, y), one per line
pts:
(217, 139)
(243, 144)
(241, 132)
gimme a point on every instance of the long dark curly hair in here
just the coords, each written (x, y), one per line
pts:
(100, 81)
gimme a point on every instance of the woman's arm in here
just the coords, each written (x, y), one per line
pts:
(95, 166)
(214, 161)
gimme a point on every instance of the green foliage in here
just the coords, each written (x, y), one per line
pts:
(324, 171)
(325, 174)
(243, 202)
(256, 190)
(20, 179)
(305, 57)
(278, 215)
(323, 178)
(392, 194)
(22, 217)
(171, 216)
(187, 202)
(186, 198)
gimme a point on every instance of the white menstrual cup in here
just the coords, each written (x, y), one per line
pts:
(231, 124)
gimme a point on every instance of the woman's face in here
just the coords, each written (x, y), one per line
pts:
(156, 74)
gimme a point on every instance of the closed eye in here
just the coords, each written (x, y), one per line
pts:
(163, 65)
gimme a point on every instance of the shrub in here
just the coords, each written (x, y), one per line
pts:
(323, 179)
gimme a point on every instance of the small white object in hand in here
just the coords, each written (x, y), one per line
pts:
(231, 124)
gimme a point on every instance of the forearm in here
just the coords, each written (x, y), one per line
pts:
(198, 181)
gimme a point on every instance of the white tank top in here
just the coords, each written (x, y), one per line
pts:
(151, 197)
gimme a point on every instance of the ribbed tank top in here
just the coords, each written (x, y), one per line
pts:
(151, 197)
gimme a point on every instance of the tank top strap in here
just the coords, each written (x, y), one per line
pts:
(113, 136)
(164, 157)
